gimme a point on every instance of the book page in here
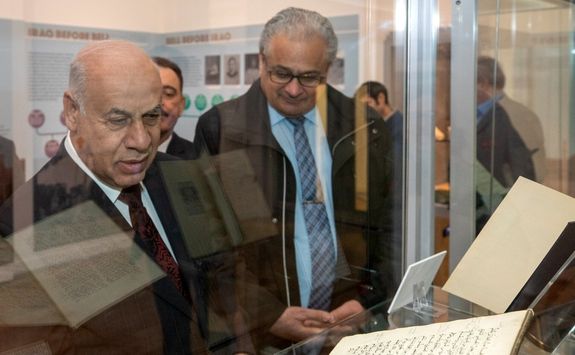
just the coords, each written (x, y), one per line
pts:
(244, 191)
(205, 216)
(511, 245)
(83, 261)
(24, 301)
(488, 335)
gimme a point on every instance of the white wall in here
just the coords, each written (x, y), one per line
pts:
(166, 15)
(140, 15)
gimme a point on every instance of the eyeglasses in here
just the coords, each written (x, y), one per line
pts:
(308, 80)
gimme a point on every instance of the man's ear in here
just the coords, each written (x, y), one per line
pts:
(261, 68)
(71, 111)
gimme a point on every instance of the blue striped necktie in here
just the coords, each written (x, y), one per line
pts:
(316, 221)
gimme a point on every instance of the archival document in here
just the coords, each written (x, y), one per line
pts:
(488, 335)
(511, 246)
(71, 266)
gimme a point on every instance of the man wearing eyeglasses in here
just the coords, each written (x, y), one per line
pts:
(258, 140)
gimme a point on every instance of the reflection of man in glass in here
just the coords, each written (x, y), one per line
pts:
(523, 119)
(501, 153)
(232, 73)
(288, 110)
(511, 157)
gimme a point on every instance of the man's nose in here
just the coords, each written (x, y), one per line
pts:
(138, 136)
(293, 88)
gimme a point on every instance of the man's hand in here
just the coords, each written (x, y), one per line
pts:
(297, 323)
(339, 314)
(347, 310)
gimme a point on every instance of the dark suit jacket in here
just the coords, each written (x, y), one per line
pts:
(181, 148)
(511, 158)
(157, 319)
(250, 164)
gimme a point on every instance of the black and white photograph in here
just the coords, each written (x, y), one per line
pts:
(232, 69)
(212, 70)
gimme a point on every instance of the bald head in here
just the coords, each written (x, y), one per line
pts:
(106, 59)
(112, 110)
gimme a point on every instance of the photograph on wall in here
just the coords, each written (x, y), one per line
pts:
(204, 56)
(251, 69)
(232, 69)
(212, 70)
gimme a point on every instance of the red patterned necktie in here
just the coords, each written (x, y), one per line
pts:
(148, 234)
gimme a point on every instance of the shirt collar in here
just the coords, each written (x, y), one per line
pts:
(391, 114)
(164, 146)
(110, 191)
(276, 117)
(486, 106)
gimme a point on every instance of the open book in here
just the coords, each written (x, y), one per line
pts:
(490, 335)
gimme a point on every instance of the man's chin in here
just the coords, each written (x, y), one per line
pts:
(294, 109)
(127, 180)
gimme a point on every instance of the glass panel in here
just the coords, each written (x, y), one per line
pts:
(220, 249)
(524, 123)
(524, 68)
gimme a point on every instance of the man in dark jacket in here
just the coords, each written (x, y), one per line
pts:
(173, 104)
(107, 267)
(258, 164)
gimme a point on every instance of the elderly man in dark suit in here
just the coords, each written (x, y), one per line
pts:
(112, 110)
(257, 141)
(173, 104)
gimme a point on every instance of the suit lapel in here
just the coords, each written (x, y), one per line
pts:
(164, 288)
(254, 127)
(89, 190)
(176, 146)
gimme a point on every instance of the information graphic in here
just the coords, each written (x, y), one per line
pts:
(217, 64)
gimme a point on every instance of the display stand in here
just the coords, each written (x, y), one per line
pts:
(422, 304)
(415, 284)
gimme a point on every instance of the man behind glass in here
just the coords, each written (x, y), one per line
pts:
(112, 111)
(173, 104)
(352, 158)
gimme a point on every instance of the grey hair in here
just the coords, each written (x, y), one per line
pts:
(295, 22)
(77, 83)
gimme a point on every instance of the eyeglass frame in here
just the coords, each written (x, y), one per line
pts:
(271, 72)
(290, 76)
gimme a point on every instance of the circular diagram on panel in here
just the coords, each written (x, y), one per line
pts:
(51, 148)
(200, 102)
(187, 102)
(36, 118)
(217, 99)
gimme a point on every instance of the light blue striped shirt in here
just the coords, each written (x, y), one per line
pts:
(283, 131)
